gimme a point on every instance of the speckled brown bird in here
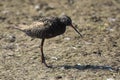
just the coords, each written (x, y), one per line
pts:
(47, 28)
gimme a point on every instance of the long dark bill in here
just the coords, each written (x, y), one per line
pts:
(76, 30)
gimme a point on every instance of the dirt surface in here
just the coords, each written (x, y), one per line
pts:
(96, 56)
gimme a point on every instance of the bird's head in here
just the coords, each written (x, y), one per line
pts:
(66, 20)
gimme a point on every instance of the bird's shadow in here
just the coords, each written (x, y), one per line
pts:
(86, 67)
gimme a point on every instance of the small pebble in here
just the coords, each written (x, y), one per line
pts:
(110, 29)
(10, 54)
(54, 58)
(67, 38)
(74, 47)
(12, 38)
(79, 64)
(111, 19)
(110, 79)
(62, 68)
(37, 7)
(5, 11)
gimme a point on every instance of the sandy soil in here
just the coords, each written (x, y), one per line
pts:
(94, 57)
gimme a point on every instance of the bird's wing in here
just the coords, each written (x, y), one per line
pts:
(31, 26)
(49, 20)
(42, 24)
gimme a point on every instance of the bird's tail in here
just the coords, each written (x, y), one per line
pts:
(21, 27)
(18, 28)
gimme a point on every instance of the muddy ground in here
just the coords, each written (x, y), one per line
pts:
(96, 56)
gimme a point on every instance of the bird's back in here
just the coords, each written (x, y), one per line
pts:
(45, 28)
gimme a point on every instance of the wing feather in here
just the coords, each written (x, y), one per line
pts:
(32, 26)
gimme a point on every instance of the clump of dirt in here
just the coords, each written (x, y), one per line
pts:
(96, 56)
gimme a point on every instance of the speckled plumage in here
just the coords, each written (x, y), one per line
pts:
(47, 28)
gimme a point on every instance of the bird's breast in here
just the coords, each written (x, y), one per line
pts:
(55, 31)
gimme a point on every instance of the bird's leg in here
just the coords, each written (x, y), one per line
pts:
(42, 54)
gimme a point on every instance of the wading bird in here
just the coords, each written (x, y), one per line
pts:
(46, 28)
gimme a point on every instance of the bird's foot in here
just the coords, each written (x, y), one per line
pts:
(48, 66)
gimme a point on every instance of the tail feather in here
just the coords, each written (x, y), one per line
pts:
(18, 29)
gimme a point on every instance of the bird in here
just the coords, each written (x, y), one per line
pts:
(47, 27)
